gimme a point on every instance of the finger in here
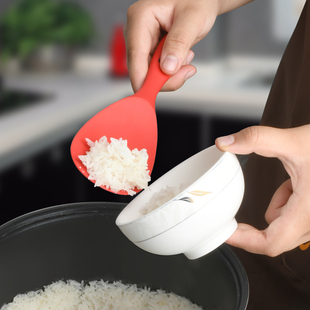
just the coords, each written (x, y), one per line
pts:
(283, 234)
(189, 58)
(248, 238)
(178, 79)
(183, 74)
(263, 140)
(141, 35)
(138, 58)
(189, 27)
(257, 241)
(279, 199)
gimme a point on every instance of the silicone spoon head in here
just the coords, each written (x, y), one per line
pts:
(132, 119)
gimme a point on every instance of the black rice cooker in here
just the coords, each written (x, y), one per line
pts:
(81, 242)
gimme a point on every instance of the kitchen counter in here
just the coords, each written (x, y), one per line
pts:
(228, 89)
(70, 101)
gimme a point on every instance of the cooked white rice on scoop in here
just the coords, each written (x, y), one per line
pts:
(115, 166)
(98, 295)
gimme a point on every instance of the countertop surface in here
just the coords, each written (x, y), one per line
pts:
(71, 99)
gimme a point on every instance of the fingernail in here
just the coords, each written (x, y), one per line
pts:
(170, 63)
(190, 57)
(226, 140)
(190, 74)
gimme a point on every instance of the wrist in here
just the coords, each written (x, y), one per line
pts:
(229, 5)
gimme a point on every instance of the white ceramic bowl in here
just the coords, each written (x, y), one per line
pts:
(199, 218)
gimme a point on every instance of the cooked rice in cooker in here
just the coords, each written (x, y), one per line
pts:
(115, 166)
(98, 295)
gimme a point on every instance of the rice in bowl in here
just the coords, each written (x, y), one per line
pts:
(160, 198)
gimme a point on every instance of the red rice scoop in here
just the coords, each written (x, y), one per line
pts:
(132, 119)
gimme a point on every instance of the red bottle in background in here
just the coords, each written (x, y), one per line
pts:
(118, 61)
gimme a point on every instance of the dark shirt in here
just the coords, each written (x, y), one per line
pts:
(282, 282)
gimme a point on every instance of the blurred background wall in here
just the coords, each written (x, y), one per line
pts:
(248, 30)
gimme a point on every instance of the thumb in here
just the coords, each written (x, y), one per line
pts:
(263, 140)
(188, 28)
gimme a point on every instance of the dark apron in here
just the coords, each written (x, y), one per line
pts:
(282, 282)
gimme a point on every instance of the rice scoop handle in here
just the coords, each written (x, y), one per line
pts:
(132, 119)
